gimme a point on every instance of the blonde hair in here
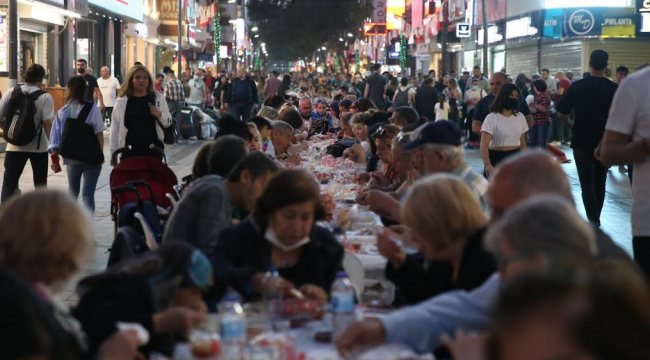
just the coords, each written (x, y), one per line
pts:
(269, 113)
(127, 86)
(444, 209)
(253, 128)
(44, 235)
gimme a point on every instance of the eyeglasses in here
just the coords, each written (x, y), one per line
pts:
(503, 261)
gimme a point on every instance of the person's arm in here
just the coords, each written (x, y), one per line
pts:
(55, 134)
(522, 141)
(479, 117)
(621, 124)
(566, 105)
(165, 117)
(413, 99)
(48, 114)
(99, 96)
(421, 326)
(412, 278)
(366, 91)
(486, 138)
(116, 121)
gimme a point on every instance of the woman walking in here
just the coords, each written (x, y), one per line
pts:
(82, 154)
(503, 131)
(139, 116)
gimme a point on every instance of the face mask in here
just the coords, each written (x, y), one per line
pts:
(271, 237)
(475, 87)
(196, 77)
(511, 104)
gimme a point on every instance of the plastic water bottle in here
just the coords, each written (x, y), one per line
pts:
(273, 284)
(233, 328)
(342, 298)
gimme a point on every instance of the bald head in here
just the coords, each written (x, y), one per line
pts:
(496, 81)
(523, 176)
(104, 72)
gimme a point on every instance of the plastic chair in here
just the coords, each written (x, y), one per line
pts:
(357, 275)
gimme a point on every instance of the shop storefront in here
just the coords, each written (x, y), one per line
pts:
(102, 33)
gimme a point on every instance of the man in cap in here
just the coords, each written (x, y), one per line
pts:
(438, 148)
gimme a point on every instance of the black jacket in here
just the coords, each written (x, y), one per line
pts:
(243, 251)
(126, 298)
(419, 282)
(252, 90)
(425, 101)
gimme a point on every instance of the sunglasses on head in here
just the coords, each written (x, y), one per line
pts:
(381, 131)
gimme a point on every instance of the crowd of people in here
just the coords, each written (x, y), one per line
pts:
(488, 264)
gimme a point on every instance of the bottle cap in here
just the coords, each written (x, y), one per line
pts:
(231, 297)
(341, 274)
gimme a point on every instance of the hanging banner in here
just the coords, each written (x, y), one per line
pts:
(379, 11)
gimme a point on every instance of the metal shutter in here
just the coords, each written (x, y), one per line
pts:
(521, 60)
(626, 52)
(467, 60)
(563, 56)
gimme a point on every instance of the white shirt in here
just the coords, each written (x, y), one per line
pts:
(630, 115)
(473, 94)
(108, 88)
(442, 114)
(505, 131)
(44, 111)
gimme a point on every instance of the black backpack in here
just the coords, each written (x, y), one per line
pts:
(19, 127)
(78, 139)
(402, 98)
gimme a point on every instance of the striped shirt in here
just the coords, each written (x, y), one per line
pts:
(173, 91)
(476, 182)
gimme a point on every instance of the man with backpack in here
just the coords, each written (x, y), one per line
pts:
(404, 96)
(26, 114)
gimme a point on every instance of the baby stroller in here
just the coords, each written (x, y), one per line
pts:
(142, 198)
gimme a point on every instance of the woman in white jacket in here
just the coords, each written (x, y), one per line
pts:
(139, 116)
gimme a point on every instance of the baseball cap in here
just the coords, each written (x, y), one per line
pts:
(443, 132)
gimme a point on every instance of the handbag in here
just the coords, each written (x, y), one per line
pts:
(169, 133)
(78, 140)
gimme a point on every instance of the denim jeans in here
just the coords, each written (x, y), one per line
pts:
(175, 108)
(538, 134)
(90, 174)
(593, 175)
(15, 162)
(241, 111)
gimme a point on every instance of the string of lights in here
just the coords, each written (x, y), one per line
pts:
(216, 21)
(403, 49)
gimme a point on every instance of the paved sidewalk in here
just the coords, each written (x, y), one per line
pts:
(615, 216)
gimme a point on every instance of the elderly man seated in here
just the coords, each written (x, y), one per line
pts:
(540, 222)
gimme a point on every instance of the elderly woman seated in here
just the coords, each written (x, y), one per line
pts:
(383, 138)
(447, 225)
(282, 233)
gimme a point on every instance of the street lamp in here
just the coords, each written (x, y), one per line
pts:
(257, 35)
(323, 48)
(350, 35)
(340, 39)
(254, 29)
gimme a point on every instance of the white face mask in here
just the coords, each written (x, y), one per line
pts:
(271, 237)
(196, 77)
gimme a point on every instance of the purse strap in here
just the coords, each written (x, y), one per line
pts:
(85, 111)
